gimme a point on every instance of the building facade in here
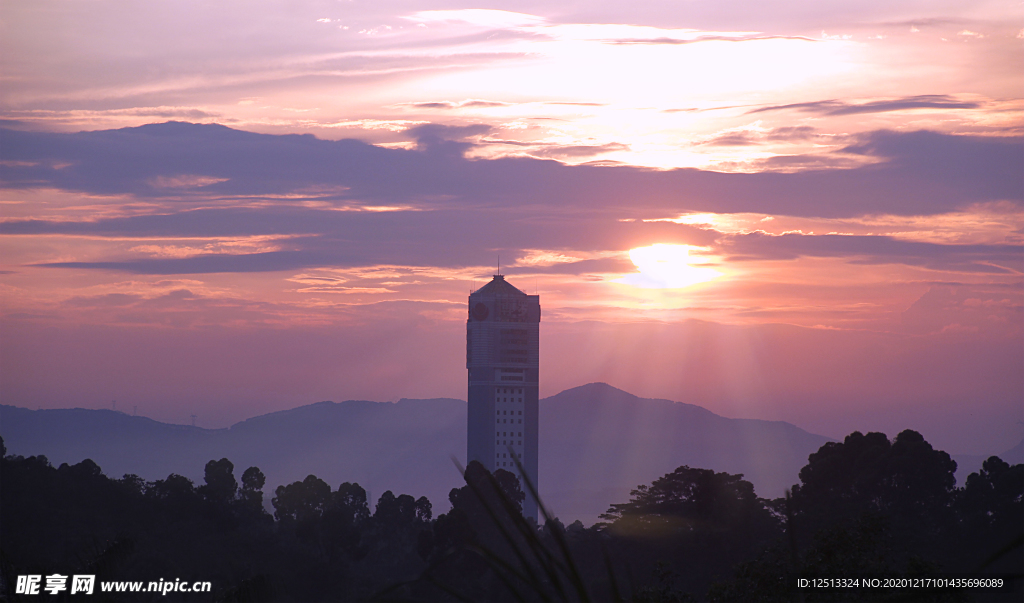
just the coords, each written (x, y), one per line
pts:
(502, 356)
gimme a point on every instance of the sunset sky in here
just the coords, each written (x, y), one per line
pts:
(801, 210)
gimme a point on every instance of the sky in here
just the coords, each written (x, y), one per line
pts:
(803, 211)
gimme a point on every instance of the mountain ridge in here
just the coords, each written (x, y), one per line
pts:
(597, 443)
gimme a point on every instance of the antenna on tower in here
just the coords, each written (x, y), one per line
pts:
(499, 264)
(135, 410)
(193, 420)
(113, 405)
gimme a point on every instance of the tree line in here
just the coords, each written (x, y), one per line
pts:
(866, 506)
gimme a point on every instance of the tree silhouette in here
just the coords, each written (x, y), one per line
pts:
(402, 510)
(177, 491)
(252, 488)
(692, 500)
(865, 505)
(220, 491)
(350, 499)
(253, 480)
(990, 507)
(468, 500)
(992, 495)
(301, 501)
(869, 506)
(905, 481)
(343, 521)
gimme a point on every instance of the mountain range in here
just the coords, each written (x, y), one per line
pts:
(596, 444)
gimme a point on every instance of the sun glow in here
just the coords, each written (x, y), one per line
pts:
(664, 266)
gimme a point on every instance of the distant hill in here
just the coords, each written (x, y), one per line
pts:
(967, 464)
(597, 442)
(404, 447)
(1015, 455)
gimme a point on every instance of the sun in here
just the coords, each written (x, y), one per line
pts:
(665, 266)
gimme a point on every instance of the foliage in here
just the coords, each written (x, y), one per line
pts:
(905, 478)
(690, 500)
(866, 505)
(221, 485)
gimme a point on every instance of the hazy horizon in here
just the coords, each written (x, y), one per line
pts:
(134, 412)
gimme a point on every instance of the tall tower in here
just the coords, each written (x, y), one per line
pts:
(502, 353)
